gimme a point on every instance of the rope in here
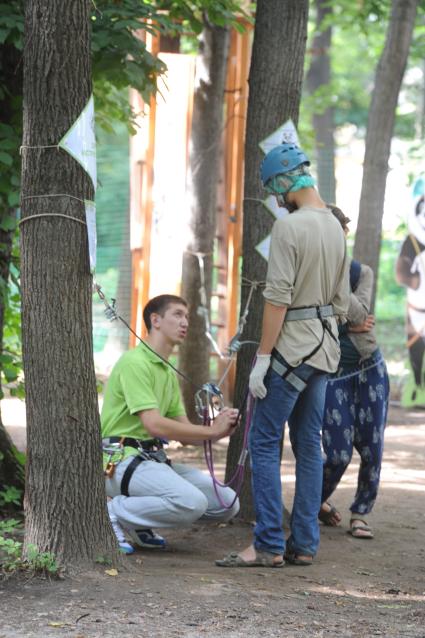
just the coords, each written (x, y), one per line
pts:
(75, 219)
(236, 481)
(53, 195)
(357, 372)
(56, 146)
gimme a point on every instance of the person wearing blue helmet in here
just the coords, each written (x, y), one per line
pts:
(306, 293)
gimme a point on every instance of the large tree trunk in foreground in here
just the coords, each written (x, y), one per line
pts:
(389, 75)
(65, 500)
(318, 77)
(205, 151)
(275, 83)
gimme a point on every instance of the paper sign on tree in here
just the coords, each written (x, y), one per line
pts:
(285, 133)
(80, 141)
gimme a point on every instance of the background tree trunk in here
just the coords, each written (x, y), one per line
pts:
(275, 84)
(206, 137)
(11, 469)
(389, 75)
(318, 78)
(65, 500)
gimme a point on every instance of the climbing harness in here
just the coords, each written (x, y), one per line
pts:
(279, 364)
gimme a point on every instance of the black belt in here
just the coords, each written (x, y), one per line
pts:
(125, 481)
(146, 444)
(149, 450)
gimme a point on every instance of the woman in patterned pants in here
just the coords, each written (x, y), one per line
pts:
(356, 407)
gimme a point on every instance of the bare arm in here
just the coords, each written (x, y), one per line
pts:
(404, 275)
(182, 430)
(273, 318)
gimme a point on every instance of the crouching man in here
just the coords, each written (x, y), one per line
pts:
(142, 408)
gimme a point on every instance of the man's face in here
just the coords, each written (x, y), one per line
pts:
(173, 323)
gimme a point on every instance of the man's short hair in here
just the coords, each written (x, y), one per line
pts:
(158, 305)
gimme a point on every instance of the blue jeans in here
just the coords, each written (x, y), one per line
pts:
(304, 413)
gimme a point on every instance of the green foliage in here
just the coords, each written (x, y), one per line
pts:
(9, 526)
(103, 560)
(11, 559)
(10, 496)
(358, 37)
(40, 561)
(120, 58)
(192, 14)
(10, 554)
(11, 357)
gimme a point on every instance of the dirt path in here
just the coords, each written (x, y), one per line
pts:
(355, 588)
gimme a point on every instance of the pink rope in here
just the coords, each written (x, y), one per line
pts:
(236, 480)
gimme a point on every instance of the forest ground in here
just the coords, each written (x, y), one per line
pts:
(354, 588)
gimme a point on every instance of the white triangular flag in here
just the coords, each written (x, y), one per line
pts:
(80, 141)
(264, 247)
(285, 133)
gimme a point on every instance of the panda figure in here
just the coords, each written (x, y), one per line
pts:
(410, 272)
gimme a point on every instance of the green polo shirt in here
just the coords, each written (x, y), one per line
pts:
(140, 380)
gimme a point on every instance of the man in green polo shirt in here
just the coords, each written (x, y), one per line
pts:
(143, 401)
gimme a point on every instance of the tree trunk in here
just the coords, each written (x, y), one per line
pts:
(389, 75)
(65, 499)
(206, 137)
(318, 77)
(275, 84)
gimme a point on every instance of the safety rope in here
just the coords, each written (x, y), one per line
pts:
(334, 379)
(236, 481)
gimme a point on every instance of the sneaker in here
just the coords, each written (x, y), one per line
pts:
(146, 538)
(125, 547)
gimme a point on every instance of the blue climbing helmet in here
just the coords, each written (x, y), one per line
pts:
(282, 159)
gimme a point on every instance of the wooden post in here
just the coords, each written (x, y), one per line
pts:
(236, 107)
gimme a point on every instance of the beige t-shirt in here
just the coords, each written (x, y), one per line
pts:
(308, 266)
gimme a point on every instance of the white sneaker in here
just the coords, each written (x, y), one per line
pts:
(124, 546)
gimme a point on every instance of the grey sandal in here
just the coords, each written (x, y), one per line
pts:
(358, 525)
(262, 559)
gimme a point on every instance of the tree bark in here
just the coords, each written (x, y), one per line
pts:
(318, 77)
(65, 501)
(206, 135)
(389, 75)
(275, 84)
